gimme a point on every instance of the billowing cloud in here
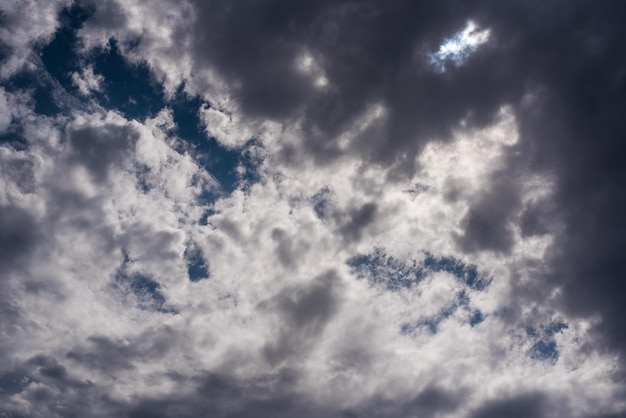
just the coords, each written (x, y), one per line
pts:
(350, 209)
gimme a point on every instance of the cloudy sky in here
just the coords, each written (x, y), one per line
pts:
(278, 208)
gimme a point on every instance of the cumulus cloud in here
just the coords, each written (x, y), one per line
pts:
(426, 218)
(87, 82)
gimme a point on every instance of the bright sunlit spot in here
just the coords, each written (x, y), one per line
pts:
(458, 48)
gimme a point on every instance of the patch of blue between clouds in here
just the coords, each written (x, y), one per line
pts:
(146, 290)
(544, 346)
(381, 269)
(321, 203)
(197, 266)
(49, 82)
(476, 318)
(432, 323)
(131, 90)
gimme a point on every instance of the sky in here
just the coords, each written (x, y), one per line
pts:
(275, 208)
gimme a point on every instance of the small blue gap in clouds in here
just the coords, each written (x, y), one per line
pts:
(555, 327)
(14, 138)
(197, 266)
(204, 219)
(59, 56)
(466, 273)
(148, 293)
(476, 318)
(208, 153)
(146, 290)
(545, 350)
(42, 92)
(50, 80)
(321, 202)
(545, 347)
(378, 267)
(129, 88)
(220, 161)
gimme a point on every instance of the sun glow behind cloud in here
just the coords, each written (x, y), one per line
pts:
(459, 47)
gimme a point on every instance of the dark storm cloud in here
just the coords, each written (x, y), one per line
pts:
(560, 65)
(573, 58)
(535, 217)
(488, 221)
(369, 52)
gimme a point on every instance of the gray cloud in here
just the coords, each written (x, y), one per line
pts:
(488, 224)
(100, 148)
(19, 235)
(357, 220)
(111, 356)
(529, 405)
(303, 314)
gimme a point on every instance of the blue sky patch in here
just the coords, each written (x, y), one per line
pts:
(467, 273)
(476, 318)
(59, 55)
(131, 89)
(544, 350)
(146, 290)
(378, 267)
(321, 202)
(14, 138)
(545, 347)
(197, 266)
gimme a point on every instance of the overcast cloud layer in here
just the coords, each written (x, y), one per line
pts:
(281, 208)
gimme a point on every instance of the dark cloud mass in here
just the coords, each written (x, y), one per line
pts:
(560, 65)
(247, 302)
